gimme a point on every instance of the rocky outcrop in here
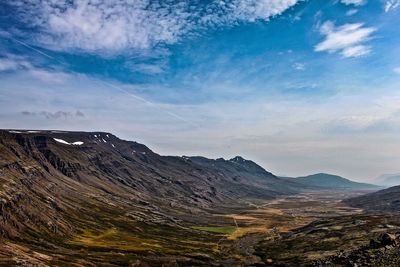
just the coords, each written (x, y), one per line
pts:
(382, 251)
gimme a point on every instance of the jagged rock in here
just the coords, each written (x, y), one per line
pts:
(374, 244)
(387, 239)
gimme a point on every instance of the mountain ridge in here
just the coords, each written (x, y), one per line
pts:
(330, 181)
(383, 200)
(105, 169)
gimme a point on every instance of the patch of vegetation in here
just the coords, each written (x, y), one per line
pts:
(216, 229)
(114, 239)
(242, 231)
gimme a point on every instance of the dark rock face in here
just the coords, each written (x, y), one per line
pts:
(387, 240)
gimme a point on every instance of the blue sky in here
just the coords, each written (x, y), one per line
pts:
(298, 86)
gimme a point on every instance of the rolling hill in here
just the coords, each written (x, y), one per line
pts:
(329, 181)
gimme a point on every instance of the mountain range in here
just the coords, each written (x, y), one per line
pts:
(52, 181)
(93, 198)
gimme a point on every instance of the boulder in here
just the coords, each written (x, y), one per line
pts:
(387, 239)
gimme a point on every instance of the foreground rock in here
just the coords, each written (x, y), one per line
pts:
(383, 251)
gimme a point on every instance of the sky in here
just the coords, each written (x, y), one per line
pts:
(298, 86)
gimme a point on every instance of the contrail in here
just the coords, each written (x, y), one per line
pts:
(176, 116)
(34, 49)
(149, 103)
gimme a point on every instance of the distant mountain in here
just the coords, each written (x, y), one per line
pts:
(329, 181)
(383, 200)
(389, 179)
(242, 170)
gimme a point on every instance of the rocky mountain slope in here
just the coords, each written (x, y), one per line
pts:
(329, 181)
(383, 200)
(92, 199)
(71, 189)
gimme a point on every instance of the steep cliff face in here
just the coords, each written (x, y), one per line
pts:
(56, 182)
(28, 191)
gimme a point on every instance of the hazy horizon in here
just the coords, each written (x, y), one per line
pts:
(300, 87)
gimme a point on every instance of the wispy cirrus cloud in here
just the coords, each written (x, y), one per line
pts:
(146, 68)
(7, 65)
(299, 66)
(115, 26)
(348, 39)
(48, 76)
(351, 12)
(354, 2)
(12, 63)
(391, 5)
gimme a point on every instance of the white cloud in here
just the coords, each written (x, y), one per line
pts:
(262, 9)
(397, 70)
(48, 76)
(7, 65)
(348, 39)
(356, 51)
(148, 68)
(351, 12)
(391, 5)
(13, 63)
(114, 25)
(354, 2)
(299, 66)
